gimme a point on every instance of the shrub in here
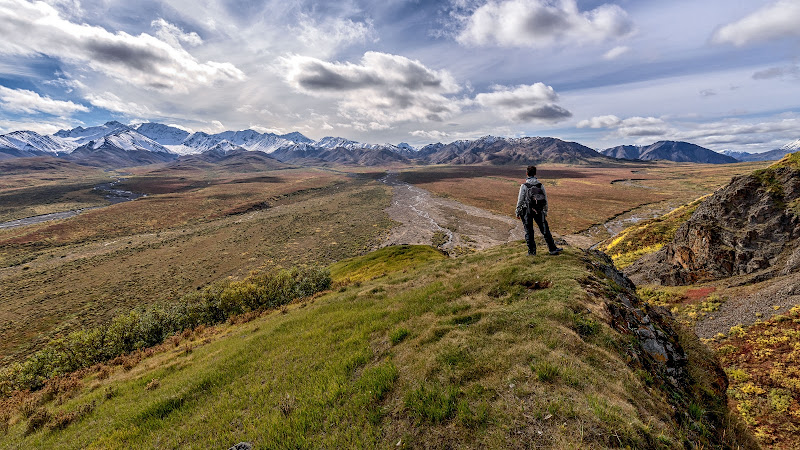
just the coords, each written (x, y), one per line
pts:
(5, 417)
(585, 325)
(150, 326)
(63, 419)
(38, 419)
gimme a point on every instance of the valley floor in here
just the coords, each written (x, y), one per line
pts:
(445, 223)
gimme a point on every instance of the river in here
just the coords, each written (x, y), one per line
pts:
(109, 191)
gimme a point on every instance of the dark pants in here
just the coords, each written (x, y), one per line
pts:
(527, 221)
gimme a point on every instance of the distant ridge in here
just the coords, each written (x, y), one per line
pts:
(115, 144)
(671, 151)
(501, 151)
(772, 155)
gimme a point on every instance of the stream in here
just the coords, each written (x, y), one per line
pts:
(109, 191)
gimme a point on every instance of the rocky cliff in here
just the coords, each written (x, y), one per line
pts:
(750, 227)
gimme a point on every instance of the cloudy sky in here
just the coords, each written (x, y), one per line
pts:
(718, 73)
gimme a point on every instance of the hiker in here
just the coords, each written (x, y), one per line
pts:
(532, 206)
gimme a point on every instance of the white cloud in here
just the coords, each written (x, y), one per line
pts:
(432, 134)
(766, 134)
(181, 127)
(29, 102)
(380, 89)
(777, 20)
(39, 126)
(524, 103)
(331, 34)
(608, 121)
(143, 60)
(113, 103)
(630, 127)
(173, 35)
(67, 84)
(543, 23)
(616, 52)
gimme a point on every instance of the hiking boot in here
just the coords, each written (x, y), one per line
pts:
(533, 253)
(556, 251)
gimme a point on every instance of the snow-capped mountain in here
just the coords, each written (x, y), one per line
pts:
(163, 134)
(129, 140)
(405, 146)
(331, 142)
(792, 147)
(32, 141)
(80, 136)
(121, 148)
(248, 139)
(771, 155)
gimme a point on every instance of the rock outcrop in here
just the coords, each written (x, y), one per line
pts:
(750, 227)
(657, 345)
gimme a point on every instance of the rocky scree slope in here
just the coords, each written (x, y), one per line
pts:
(749, 228)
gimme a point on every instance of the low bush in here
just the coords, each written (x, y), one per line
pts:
(150, 326)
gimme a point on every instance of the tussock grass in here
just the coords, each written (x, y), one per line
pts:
(523, 367)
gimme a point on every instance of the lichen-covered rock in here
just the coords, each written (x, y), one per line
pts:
(750, 227)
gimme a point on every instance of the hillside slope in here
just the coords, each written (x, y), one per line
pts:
(749, 228)
(491, 350)
(520, 151)
(671, 151)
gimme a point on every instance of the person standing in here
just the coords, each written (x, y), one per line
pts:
(532, 207)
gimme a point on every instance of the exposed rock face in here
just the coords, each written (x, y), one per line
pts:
(750, 227)
(658, 347)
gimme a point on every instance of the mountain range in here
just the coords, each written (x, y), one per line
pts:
(114, 144)
(772, 155)
(671, 151)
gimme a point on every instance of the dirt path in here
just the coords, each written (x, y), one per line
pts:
(445, 223)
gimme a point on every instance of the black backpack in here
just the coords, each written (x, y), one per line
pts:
(534, 196)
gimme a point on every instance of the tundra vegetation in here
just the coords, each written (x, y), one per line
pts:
(484, 350)
(408, 348)
(760, 358)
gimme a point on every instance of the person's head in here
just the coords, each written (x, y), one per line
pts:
(531, 171)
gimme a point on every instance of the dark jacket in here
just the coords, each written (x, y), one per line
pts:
(521, 198)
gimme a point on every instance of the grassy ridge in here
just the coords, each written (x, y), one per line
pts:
(488, 350)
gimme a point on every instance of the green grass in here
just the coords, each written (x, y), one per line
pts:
(382, 262)
(790, 160)
(393, 359)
